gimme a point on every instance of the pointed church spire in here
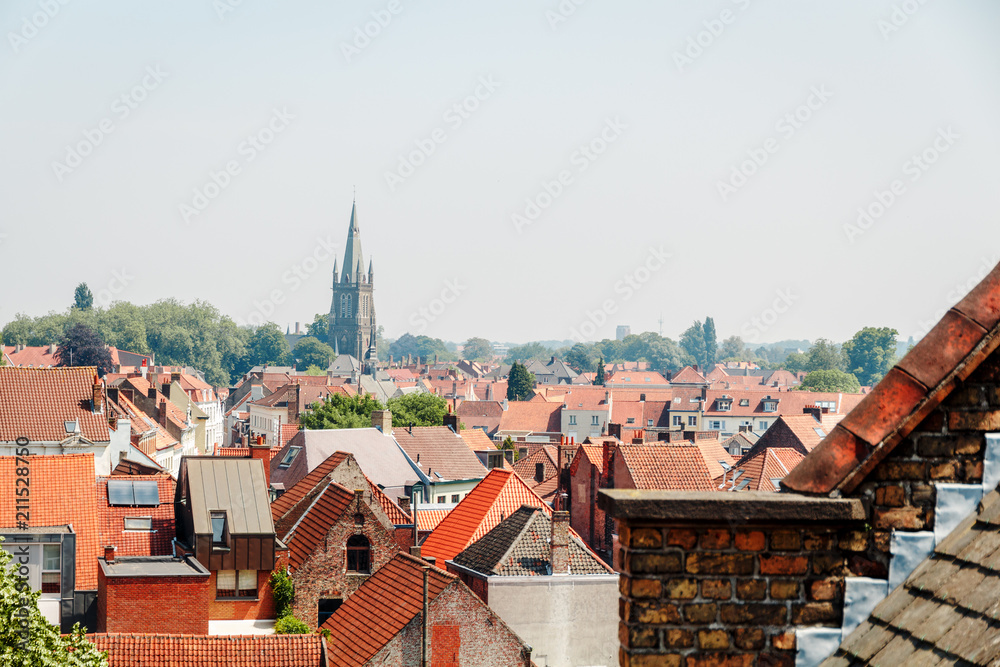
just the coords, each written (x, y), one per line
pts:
(334, 270)
(353, 256)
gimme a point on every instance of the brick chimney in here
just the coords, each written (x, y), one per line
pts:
(109, 554)
(144, 368)
(262, 452)
(609, 454)
(293, 398)
(97, 397)
(382, 420)
(559, 543)
(162, 411)
(615, 430)
(404, 503)
(451, 420)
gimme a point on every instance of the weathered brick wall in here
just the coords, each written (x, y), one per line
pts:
(463, 631)
(172, 605)
(324, 574)
(731, 591)
(585, 517)
(947, 446)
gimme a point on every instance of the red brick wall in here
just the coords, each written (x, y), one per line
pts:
(324, 574)
(483, 640)
(477, 585)
(237, 610)
(583, 505)
(170, 605)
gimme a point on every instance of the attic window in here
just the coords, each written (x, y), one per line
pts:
(71, 426)
(630, 420)
(819, 431)
(140, 523)
(289, 456)
(744, 402)
(649, 422)
(218, 529)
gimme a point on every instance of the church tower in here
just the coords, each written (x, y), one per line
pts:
(352, 312)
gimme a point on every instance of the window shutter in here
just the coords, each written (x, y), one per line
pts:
(226, 580)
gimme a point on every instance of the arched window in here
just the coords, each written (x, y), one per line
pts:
(359, 554)
(345, 305)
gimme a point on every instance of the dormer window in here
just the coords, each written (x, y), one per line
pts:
(725, 405)
(769, 404)
(218, 529)
(744, 402)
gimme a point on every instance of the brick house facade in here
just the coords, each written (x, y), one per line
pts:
(760, 578)
(170, 595)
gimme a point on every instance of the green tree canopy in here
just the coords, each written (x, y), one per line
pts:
(711, 343)
(830, 380)
(27, 639)
(520, 383)
(527, 352)
(599, 375)
(871, 353)
(795, 362)
(268, 346)
(423, 347)
(319, 328)
(581, 357)
(312, 352)
(693, 342)
(418, 409)
(734, 349)
(477, 349)
(82, 298)
(81, 346)
(824, 356)
(339, 411)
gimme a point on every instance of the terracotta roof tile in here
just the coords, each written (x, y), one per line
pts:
(531, 416)
(39, 356)
(688, 375)
(428, 520)
(312, 528)
(290, 505)
(439, 450)
(34, 403)
(63, 491)
(142, 650)
(395, 513)
(673, 466)
(379, 610)
(138, 543)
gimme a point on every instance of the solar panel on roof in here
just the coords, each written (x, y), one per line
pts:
(147, 494)
(120, 492)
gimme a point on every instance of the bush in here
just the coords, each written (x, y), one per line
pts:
(289, 625)
(283, 591)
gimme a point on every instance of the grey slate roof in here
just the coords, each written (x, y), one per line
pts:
(947, 611)
(519, 547)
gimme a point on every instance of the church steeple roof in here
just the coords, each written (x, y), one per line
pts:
(353, 256)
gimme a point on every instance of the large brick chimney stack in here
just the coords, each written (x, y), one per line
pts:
(98, 396)
(559, 543)
(259, 450)
(382, 420)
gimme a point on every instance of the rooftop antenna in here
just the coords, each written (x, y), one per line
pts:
(661, 324)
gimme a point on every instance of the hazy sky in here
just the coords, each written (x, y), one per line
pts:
(524, 170)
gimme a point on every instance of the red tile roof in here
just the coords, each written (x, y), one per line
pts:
(713, 452)
(34, 403)
(134, 650)
(395, 513)
(311, 530)
(41, 356)
(290, 505)
(531, 416)
(636, 378)
(135, 543)
(439, 450)
(761, 466)
(949, 353)
(63, 491)
(499, 495)
(688, 375)
(428, 520)
(379, 610)
(673, 466)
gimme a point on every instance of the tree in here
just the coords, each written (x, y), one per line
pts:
(508, 444)
(418, 409)
(527, 352)
(824, 356)
(420, 347)
(319, 328)
(477, 349)
(81, 346)
(268, 346)
(581, 357)
(312, 352)
(339, 411)
(599, 379)
(711, 348)
(830, 380)
(82, 298)
(693, 342)
(520, 383)
(27, 639)
(733, 349)
(871, 353)
(795, 362)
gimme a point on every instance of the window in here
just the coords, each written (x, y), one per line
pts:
(326, 609)
(630, 420)
(440, 499)
(236, 584)
(143, 523)
(359, 552)
(770, 406)
(744, 402)
(762, 425)
(572, 420)
(454, 498)
(725, 406)
(649, 422)
(289, 456)
(218, 529)
(51, 572)
(678, 420)
(345, 305)
(692, 421)
(716, 425)
(595, 420)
